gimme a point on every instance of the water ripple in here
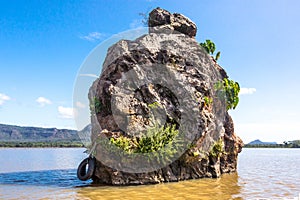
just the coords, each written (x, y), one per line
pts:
(262, 174)
(52, 178)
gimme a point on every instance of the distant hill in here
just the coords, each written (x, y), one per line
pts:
(258, 142)
(10, 133)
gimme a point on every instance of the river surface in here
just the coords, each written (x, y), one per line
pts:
(50, 173)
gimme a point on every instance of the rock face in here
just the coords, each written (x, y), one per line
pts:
(161, 20)
(162, 79)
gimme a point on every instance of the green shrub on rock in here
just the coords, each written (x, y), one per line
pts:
(210, 48)
(154, 140)
(229, 90)
(217, 150)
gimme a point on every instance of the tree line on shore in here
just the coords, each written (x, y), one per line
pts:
(286, 144)
(41, 144)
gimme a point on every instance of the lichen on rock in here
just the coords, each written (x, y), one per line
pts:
(156, 113)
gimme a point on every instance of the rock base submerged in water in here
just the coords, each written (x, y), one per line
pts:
(156, 114)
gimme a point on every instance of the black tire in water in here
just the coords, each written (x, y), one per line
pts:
(84, 173)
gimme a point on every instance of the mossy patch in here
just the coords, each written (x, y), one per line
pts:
(217, 150)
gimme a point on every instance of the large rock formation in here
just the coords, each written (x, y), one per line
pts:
(166, 83)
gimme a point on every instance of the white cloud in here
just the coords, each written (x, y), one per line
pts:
(65, 112)
(80, 105)
(3, 98)
(93, 36)
(244, 91)
(43, 101)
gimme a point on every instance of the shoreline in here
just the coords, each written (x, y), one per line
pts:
(32, 144)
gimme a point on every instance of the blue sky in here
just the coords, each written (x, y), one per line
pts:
(44, 43)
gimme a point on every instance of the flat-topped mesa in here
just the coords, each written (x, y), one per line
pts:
(161, 20)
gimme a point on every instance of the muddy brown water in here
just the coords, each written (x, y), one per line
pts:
(50, 173)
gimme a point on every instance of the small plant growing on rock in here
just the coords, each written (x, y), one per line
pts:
(207, 100)
(217, 150)
(154, 140)
(123, 142)
(145, 17)
(154, 105)
(210, 48)
(96, 105)
(229, 89)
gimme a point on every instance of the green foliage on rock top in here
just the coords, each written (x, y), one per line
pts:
(210, 48)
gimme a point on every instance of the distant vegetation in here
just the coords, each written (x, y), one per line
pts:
(41, 144)
(292, 144)
(289, 144)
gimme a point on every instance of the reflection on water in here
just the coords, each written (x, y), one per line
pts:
(262, 174)
(65, 185)
(223, 188)
(52, 184)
